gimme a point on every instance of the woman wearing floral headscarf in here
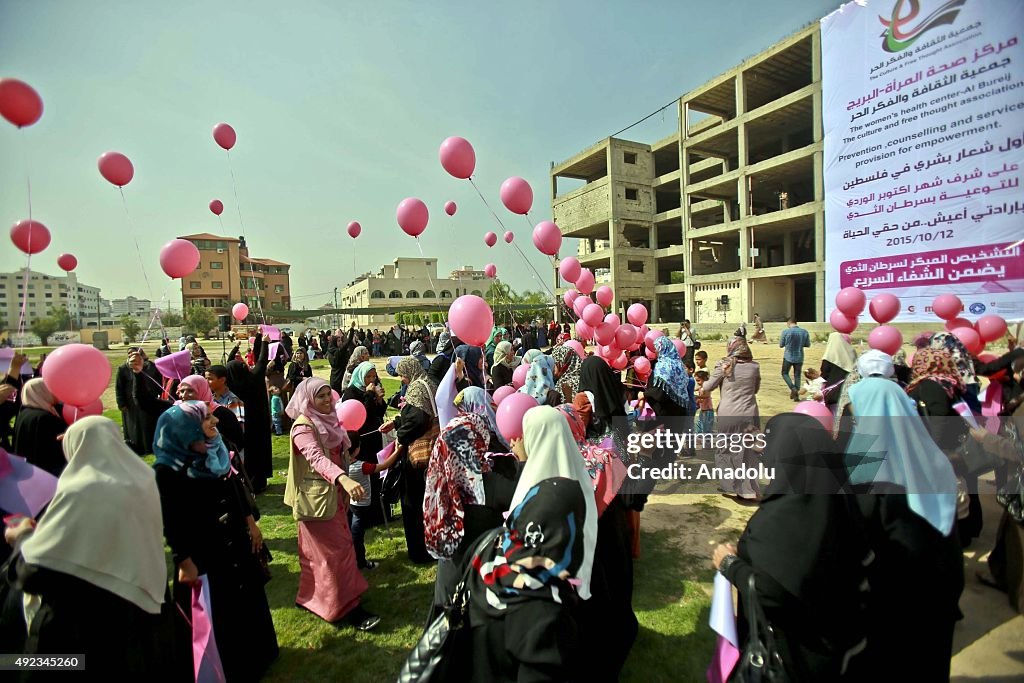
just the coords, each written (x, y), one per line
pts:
(329, 580)
(540, 381)
(666, 391)
(476, 401)
(739, 377)
(38, 427)
(206, 527)
(963, 361)
(503, 365)
(567, 370)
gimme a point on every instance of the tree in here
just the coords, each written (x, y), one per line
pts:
(130, 327)
(171, 319)
(43, 328)
(199, 320)
(61, 317)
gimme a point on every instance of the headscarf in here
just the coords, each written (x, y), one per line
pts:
(503, 355)
(497, 335)
(410, 368)
(178, 428)
(583, 406)
(200, 386)
(35, 394)
(454, 480)
(800, 536)
(540, 378)
(669, 374)
(738, 352)
(444, 340)
(475, 401)
(359, 374)
(416, 348)
(936, 365)
(419, 393)
(840, 352)
(543, 544)
(552, 452)
(569, 362)
(353, 363)
(606, 387)
(104, 524)
(325, 424)
(890, 443)
(923, 340)
(961, 356)
(875, 363)
(606, 469)
(532, 355)
(472, 357)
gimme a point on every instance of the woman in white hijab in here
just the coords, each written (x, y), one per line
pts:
(839, 360)
(93, 571)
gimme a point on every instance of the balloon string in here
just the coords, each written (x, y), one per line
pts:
(28, 257)
(156, 316)
(241, 224)
(433, 287)
(135, 239)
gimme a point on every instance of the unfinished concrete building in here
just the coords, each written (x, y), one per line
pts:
(723, 219)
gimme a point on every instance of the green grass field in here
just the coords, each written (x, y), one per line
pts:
(670, 598)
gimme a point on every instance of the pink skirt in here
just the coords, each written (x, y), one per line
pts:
(330, 583)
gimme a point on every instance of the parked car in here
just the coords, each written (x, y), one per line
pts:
(435, 328)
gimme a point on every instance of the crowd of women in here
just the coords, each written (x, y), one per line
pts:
(534, 536)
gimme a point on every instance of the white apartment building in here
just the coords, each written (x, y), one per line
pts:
(46, 292)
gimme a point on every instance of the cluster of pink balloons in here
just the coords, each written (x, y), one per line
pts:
(974, 336)
(850, 303)
(614, 338)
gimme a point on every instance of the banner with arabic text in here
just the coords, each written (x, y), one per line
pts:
(923, 112)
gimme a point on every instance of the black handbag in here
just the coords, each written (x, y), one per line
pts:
(759, 662)
(437, 657)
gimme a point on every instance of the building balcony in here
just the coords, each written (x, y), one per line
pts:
(670, 177)
(675, 288)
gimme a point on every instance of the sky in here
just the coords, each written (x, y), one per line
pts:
(340, 108)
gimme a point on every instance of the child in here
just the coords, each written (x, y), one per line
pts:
(813, 384)
(691, 383)
(706, 418)
(359, 509)
(701, 358)
(276, 410)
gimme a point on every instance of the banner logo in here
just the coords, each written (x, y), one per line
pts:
(902, 29)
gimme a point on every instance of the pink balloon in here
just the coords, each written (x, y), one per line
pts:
(886, 338)
(116, 168)
(680, 346)
(613, 319)
(953, 324)
(509, 236)
(351, 414)
(637, 314)
(593, 314)
(991, 327)
(569, 297)
(224, 135)
(620, 362)
(240, 311)
(819, 411)
(517, 195)
(519, 375)
(547, 238)
(585, 282)
(449, 208)
(67, 262)
(217, 207)
(643, 333)
(607, 352)
(471, 319)
(30, 237)
(577, 347)
(651, 353)
(651, 336)
(642, 367)
(510, 414)
(490, 270)
(354, 229)
(77, 374)
(569, 268)
(501, 393)
(19, 102)
(335, 397)
(178, 258)
(412, 216)
(605, 295)
(968, 335)
(457, 157)
(841, 322)
(580, 303)
(490, 239)
(625, 336)
(604, 333)
(884, 308)
(947, 306)
(73, 414)
(851, 301)
(583, 330)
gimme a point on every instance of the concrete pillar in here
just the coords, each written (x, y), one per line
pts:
(787, 249)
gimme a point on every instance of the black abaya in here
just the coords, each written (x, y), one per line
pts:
(250, 387)
(411, 424)
(35, 439)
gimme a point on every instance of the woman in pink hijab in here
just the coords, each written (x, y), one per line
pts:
(38, 427)
(318, 491)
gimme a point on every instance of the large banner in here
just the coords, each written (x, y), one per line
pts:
(923, 107)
